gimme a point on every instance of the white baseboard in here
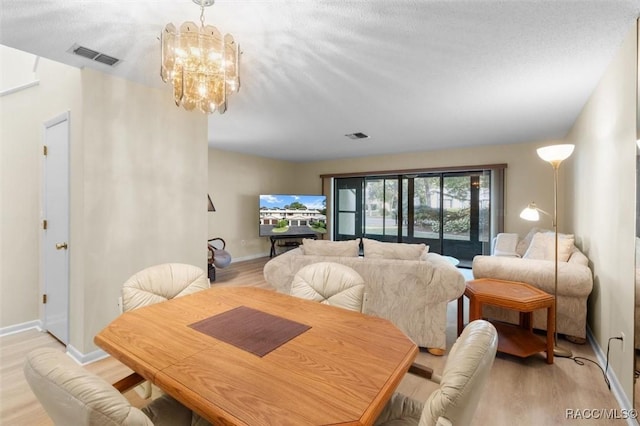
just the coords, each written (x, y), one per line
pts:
(77, 356)
(19, 328)
(616, 387)
(250, 257)
(84, 359)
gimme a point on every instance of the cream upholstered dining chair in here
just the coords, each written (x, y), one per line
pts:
(72, 395)
(465, 375)
(157, 284)
(160, 283)
(330, 283)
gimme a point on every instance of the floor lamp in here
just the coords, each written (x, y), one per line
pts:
(553, 154)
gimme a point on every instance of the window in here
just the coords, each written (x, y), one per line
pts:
(455, 212)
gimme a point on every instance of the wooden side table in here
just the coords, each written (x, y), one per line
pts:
(524, 298)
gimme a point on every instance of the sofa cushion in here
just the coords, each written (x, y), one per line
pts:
(524, 243)
(313, 247)
(542, 247)
(505, 244)
(424, 254)
(400, 251)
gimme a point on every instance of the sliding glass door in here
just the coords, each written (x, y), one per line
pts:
(348, 210)
(463, 232)
(381, 216)
(448, 211)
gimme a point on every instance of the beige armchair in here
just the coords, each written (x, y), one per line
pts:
(330, 283)
(465, 375)
(73, 396)
(157, 284)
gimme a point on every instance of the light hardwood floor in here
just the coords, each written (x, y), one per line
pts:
(520, 391)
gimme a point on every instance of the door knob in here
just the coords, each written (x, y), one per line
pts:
(60, 246)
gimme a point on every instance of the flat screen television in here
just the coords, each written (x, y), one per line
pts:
(292, 215)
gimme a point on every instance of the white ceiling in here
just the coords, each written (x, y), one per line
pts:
(414, 75)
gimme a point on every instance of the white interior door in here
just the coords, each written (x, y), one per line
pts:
(55, 240)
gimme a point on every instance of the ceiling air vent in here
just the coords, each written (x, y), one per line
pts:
(106, 59)
(94, 55)
(357, 135)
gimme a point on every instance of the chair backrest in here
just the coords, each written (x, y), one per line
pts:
(73, 396)
(330, 283)
(218, 256)
(465, 375)
(162, 282)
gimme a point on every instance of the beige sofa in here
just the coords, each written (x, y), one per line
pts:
(575, 281)
(412, 294)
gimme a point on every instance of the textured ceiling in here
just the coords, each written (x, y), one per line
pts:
(414, 75)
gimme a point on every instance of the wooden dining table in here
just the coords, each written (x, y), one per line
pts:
(252, 356)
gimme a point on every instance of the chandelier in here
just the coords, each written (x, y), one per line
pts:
(201, 65)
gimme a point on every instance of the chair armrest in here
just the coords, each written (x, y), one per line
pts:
(424, 372)
(128, 382)
(224, 244)
(574, 279)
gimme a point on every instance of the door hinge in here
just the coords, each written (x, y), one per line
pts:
(44, 224)
(44, 298)
(44, 150)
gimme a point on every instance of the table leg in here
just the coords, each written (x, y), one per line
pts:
(551, 329)
(475, 309)
(526, 320)
(460, 314)
(272, 253)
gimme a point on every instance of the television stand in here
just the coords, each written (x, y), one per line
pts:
(275, 238)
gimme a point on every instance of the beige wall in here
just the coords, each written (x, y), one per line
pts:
(602, 205)
(235, 182)
(138, 169)
(22, 115)
(144, 169)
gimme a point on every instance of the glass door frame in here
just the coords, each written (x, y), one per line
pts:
(405, 198)
(346, 216)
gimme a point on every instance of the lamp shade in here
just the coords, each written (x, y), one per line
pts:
(530, 213)
(555, 153)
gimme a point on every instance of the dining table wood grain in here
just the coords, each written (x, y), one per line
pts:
(341, 371)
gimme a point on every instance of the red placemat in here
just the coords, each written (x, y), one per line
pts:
(249, 329)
